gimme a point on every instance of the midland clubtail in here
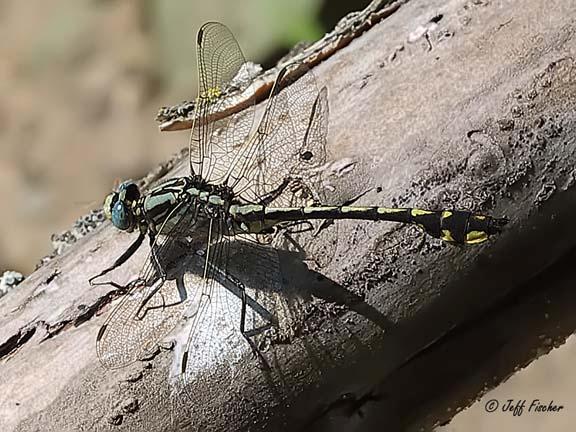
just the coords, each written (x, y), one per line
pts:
(245, 187)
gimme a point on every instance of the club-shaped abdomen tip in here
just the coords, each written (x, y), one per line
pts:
(499, 223)
(481, 227)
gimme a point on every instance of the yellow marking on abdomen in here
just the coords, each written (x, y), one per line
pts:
(447, 236)
(346, 209)
(280, 209)
(386, 210)
(310, 210)
(419, 212)
(475, 237)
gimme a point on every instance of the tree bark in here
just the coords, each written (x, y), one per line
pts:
(467, 104)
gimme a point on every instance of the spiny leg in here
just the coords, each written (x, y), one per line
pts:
(159, 250)
(217, 267)
(119, 261)
(275, 193)
(156, 287)
(248, 335)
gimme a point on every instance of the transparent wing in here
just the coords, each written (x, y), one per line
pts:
(214, 325)
(221, 67)
(280, 166)
(272, 305)
(290, 142)
(283, 165)
(154, 302)
(216, 343)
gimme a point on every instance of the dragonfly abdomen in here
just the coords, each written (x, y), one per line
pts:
(455, 226)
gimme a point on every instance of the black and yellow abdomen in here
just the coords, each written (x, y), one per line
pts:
(455, 226)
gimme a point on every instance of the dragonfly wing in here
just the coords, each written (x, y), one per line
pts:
(290, 142)
(283, 166)
(154, 302)
(216, 136)
(214, 344)
(126, 337)
(214, 340)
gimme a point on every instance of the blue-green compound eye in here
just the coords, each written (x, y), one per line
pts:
(118, 206)
(128, 191)
(121, 218)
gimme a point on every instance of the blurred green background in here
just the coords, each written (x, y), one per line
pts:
(80, 85)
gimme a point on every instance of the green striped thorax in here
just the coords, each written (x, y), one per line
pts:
(181, 200)
(119, 206)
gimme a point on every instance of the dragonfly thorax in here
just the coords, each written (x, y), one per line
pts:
(183, 200)
(166, 204)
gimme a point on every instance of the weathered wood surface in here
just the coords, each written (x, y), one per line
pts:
(475, 109)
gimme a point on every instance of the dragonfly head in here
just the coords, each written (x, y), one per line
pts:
(119, 206)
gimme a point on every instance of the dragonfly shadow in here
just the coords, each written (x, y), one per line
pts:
(288, 307)
(313, 284)
(275, 283)
(321, 307)
(267, 271)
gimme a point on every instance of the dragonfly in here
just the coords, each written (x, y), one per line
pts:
(249, 185)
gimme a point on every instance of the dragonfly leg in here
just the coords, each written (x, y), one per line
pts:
(250, 334)
(119, 261)
(157, 284)
(154, 257)
(287, 234)
(267, 198)
(156, 287)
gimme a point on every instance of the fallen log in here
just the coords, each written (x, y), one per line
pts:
(463, 103)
